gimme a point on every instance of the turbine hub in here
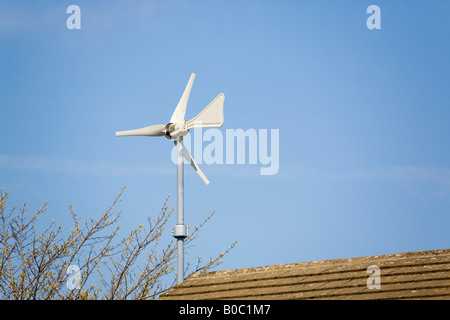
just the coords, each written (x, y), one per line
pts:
(167, 131)
(178, 129)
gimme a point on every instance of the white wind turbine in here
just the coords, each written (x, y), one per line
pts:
(211, 116)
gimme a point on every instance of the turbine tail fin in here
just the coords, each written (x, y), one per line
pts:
(211, 116)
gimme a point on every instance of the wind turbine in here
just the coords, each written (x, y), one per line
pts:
(176, 129)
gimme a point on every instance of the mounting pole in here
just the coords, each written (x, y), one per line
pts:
(179, 231)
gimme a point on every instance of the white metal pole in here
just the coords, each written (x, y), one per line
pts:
(180, 230)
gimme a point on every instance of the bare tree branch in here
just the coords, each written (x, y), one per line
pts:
(34, 265)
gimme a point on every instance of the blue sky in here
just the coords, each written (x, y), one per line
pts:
(363, 117)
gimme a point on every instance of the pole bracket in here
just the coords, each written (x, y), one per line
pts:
(179, 231)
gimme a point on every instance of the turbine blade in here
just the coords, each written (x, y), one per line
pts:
(194, 165)
(156, 130)
(180, 110)
(211, 116)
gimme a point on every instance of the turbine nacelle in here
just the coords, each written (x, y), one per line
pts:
(211, 116)
(173, 130)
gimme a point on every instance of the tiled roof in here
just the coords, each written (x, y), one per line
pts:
(411, 275)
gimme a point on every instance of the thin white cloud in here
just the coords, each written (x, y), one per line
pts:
(73, 166)
(114, 14)
(439, 177)
(16, 17)
(20, 17)
(425, 174)
(403, 174)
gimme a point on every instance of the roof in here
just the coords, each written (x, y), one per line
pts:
(411, 275)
